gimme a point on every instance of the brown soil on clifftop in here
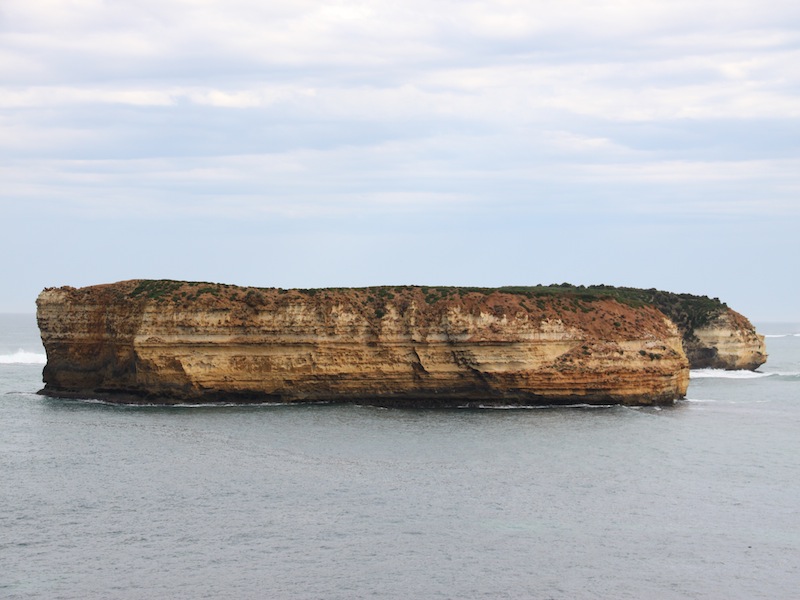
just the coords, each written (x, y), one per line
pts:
(605, 317)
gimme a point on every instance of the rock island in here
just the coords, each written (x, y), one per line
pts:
(165, 342)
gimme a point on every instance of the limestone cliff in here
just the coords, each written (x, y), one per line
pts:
(167, 341)
(726, 341)
(714, 336)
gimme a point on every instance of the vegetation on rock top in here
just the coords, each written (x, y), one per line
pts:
(687, 311)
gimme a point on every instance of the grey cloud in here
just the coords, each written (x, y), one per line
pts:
(520, 117)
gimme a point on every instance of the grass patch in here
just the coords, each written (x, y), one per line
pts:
(155, 289)
(687, 311)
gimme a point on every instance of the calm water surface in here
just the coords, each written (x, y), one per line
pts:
(699, 500)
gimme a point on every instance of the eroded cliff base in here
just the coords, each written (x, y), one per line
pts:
(440, 400)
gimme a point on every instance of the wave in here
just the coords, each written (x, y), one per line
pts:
(723, 374)
(136, 405)
(212, 405)
(533, 406)
(699, 400)
(21, 357)
(781, 335)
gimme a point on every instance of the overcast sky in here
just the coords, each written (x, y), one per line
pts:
(311, 143)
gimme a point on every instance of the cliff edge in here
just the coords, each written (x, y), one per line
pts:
(714, 335)
(169, 341)
(727, 341)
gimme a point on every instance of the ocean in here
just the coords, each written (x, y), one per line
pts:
(698, 500)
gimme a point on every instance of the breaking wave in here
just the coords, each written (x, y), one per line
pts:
(21, 357)
(534, 406)
(158, 405)
(723, 374)
(699, 400)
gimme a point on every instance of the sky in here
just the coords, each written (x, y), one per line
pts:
(432, 142)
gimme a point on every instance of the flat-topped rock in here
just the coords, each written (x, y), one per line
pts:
(168, 342)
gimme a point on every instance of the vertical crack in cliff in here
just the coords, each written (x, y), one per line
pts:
(467, 361)
(416, 364)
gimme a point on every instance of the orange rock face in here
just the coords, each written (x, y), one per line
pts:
(167, 342)
(729, 341)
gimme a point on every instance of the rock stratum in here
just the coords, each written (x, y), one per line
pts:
(166, 342)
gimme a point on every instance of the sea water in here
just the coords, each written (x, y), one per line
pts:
(699, 500)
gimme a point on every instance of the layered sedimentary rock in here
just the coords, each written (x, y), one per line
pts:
(165, 342)
(727, 341)
(714, 336)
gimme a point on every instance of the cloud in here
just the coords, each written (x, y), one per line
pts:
(176, 107)
(192, 40)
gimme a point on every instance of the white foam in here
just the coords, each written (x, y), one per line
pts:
(534, 406)
(723, 374)
(777, 335)
(216, 404)
(165, 406)
(21, 357)
(699, 400)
